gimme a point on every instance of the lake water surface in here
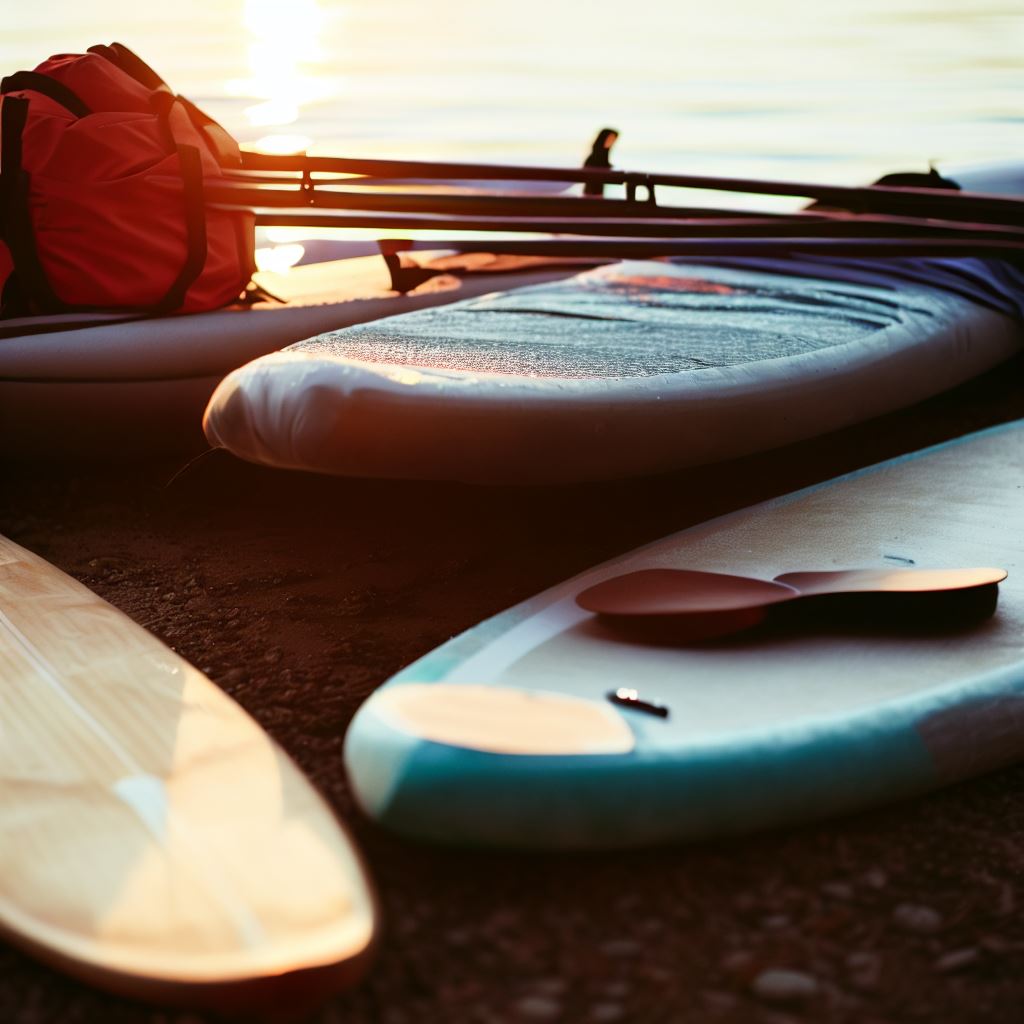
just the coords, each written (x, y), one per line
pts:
(833, 90)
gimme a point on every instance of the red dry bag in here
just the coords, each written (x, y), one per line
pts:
(101, 193)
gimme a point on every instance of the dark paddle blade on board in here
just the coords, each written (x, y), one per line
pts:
(687, 606)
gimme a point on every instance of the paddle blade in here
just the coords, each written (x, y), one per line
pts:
(685, 606)
(681, 605)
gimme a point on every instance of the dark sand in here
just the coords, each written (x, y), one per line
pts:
(299, 595)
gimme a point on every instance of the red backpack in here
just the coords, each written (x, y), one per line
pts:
(101, 193)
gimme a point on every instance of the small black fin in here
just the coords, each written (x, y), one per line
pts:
(600, 157)
(918, 179)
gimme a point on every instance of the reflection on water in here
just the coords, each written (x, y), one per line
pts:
(839, 90)
(285, 63)
(279, 258)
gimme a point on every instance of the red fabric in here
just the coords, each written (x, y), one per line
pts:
(6, 265)
(107, 199)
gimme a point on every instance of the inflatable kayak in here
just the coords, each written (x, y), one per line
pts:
(634, 368)
(140, 386)
(545, 727)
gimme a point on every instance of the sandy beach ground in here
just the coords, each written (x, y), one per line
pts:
(300, 594)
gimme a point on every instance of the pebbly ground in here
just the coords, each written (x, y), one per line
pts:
(300, 594)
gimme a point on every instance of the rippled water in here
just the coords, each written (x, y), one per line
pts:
(835, 90)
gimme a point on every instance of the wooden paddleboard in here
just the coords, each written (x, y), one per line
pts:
(140, 387)
(506, 734)
(156, 842)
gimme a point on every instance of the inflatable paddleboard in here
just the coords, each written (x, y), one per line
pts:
(140, 386)
(515, 733)
(635, 368)
(156, 842)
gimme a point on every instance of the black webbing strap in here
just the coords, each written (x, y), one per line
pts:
(218, 140)
(162, 101)
(195, 223)
(33, 81)
(130, 63)
(13, 303)
(14, 202)
(190, 163)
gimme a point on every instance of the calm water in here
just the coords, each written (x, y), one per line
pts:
(835, 90)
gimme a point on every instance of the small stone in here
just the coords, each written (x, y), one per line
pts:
(169, 596)
(551, 986)
(865, 970)
(914, 917)
(105, 564)
(737, 960)
(779, 985)
(838, 890)
(957, 960)
(539, 1008)
(607, 1013)
(876, 878)
(775, 922)
(655, 975)
(744, 901)
(1007, 901)
(501, 920)
(719, 1002)
(616, 948)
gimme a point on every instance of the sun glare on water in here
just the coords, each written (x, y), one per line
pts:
(285, 58)
(279, 258)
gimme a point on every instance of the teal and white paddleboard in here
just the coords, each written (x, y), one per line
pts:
(505, 735)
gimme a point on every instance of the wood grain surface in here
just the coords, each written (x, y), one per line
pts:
(155, 840)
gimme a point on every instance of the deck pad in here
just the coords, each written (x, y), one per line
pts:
(635, 319)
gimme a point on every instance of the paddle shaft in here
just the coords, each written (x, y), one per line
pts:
(491, 205)
(606, 226)
(648, 248)
(872, 198)
(799, 226)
